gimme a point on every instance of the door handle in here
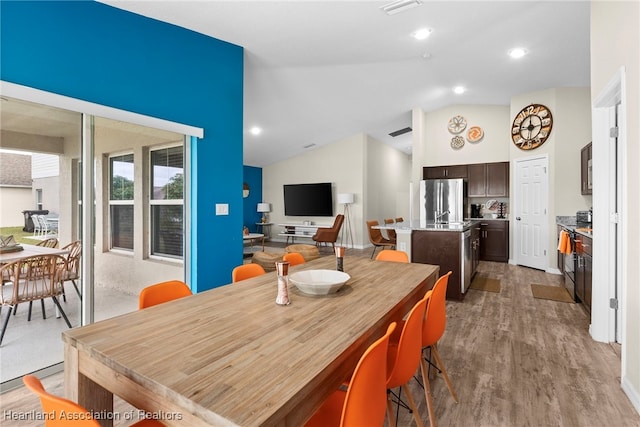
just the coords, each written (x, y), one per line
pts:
(518, 218)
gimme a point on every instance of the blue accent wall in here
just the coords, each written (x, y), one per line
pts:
(94, 52)
(253, 177)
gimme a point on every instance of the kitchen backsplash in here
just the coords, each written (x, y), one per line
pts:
(485, 210)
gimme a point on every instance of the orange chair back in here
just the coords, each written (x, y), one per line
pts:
(294, 258)
(57, 406)
(246, 271)
(435, 319)
(392, 255)
(404, 356)
(366, 400)
(162, 292)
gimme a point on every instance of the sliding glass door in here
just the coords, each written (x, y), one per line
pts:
(132, 235)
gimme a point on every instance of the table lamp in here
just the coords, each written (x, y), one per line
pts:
(264, 208)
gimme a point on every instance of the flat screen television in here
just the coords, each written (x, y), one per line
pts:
(308, 199)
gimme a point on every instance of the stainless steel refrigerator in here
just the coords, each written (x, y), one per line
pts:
(442, 201)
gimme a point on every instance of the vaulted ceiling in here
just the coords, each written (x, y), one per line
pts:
(319, 71)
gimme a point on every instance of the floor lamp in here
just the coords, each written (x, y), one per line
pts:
(347, 233)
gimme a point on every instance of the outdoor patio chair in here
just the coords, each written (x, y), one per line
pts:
(71, 268)
(31, 279)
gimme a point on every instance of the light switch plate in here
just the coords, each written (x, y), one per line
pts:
(222, 209)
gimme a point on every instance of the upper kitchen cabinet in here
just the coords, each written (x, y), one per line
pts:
(585, 170)
(439, 172)
(488, 179)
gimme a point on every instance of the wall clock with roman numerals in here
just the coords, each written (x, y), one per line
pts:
(531, 126)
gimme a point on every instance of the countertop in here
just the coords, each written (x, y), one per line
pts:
(416, 226)
(569, 223)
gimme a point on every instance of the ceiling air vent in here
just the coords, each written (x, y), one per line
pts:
(400, 132)
(400, 6)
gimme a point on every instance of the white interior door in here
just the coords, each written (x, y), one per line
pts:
(530, 213)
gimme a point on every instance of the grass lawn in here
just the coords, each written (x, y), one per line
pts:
(18, 234)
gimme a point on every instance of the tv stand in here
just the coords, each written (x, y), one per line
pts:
(293, 230)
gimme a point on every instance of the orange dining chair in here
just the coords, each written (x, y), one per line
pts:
(363, 403)
(64, 413)
(246, 271)
(163, 292)
(392, 255)
(404, 358)
(435, 321)
(294, 258)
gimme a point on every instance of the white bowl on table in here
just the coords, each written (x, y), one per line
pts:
(319, 282)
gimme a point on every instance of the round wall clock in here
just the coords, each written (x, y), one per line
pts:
(531, 126)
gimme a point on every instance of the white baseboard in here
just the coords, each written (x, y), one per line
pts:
(553, 271)
(632, 393)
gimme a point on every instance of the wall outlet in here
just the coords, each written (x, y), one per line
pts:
(222, 209)
(402, 246)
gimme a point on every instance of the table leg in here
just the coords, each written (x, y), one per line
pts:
(81, 389)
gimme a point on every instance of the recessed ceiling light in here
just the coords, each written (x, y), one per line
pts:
(422, 33)
(517, 52)
(255, 130)
(459, 90)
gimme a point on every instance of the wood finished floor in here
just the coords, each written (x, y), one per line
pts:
(513, 360)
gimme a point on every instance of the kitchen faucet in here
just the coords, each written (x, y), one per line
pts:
(440, 215)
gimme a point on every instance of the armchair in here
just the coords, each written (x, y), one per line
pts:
(329, 235)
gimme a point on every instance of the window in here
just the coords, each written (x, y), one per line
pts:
(39, 199)
(167, 212)
(121, 181)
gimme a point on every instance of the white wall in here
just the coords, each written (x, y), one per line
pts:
(14, 201)
(615, 43)
(571, 110)
(494, 147)
(388, 173)
(340, 163)
(348, 164)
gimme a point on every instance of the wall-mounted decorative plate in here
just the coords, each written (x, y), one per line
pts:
(475, 134)
(457, 124)
(457, 142)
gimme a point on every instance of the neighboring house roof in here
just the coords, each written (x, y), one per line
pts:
(15, 170)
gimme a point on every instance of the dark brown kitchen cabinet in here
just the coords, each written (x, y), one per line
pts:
(440, 248)
(585, 170)
(488, 179)
(584, 270)
(440, 172)
(494, 241)
(477, 180)
(498, 179)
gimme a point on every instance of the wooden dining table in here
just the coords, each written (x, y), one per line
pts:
(230, 356)
(28, 251)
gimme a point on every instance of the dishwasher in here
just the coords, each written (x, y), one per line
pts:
(465, 260)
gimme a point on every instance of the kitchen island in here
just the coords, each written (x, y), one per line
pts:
(453, 246)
